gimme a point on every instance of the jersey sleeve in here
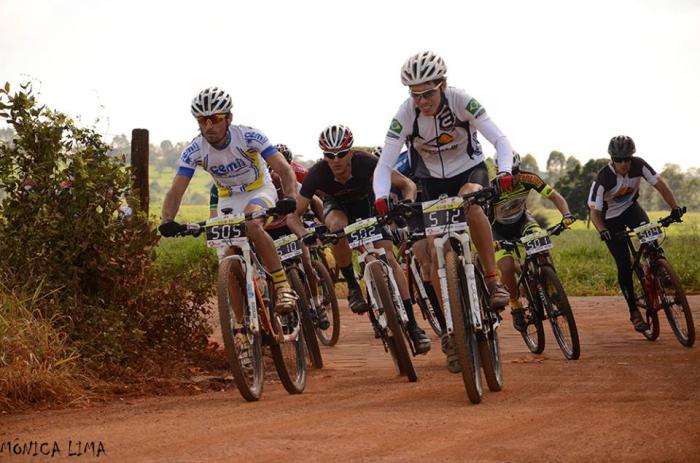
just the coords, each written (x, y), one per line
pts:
(596, 197)
(534, 182)
(190, 158)
(649, 173)
(399, 130)
(309, 185)
(469, 109)
(258, 141)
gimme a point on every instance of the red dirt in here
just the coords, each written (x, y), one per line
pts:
(626, 399)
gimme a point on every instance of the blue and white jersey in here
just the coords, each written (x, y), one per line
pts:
(403, 165)
(238, 167)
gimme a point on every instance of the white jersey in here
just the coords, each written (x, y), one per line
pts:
(238, 167)
(613, 193)
(446, 143)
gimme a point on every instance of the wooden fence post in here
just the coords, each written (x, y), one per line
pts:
(139, 165)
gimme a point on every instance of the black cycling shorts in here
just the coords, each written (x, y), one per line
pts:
(434, 187)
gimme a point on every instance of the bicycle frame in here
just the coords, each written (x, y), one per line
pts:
(379, 254)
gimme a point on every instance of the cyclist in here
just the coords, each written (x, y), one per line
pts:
(344, 177)
(510, 220)
(236, 156)
(614, 206)
(440, 125)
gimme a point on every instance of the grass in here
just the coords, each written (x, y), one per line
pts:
(36, 365)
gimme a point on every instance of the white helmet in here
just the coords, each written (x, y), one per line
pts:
(335, 138)
(423, 67)
(210, 101)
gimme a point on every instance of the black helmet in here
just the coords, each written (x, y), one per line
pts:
(621, 146)
(286, 152)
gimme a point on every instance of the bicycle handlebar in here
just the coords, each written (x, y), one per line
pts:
(196, 229)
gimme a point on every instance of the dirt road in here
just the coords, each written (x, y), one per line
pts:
(626, 399)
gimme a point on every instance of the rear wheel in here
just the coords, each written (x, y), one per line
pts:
(489, 349)
(534, 333)
(464, 337)
(560, 314)
(307, 322)
(395, 334)
(675, 304)
(645, 302)
(243, 349)
(428, 311)
(328, 302)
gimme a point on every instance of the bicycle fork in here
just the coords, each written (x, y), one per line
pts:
(468, 267)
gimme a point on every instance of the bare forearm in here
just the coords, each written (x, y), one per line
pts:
(171, 204)
(560, 203)
(597, 219)
(666, 193)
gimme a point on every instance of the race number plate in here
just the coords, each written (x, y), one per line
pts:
(649, 232)
(363, 232)
(225, 231)
(443, 215)
(536, 242)
(288, 246)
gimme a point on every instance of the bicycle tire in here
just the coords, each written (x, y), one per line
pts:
(396, 333)
(489, 347)
(288, 357)
(327, 287)
(464, 337)
(307, 323)
(651, 314)
(560, 314)
(533, 336)
(426, 311)
(676, 307)
(250, 384)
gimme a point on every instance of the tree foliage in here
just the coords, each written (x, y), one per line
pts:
(60, 237)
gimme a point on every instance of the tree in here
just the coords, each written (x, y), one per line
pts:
(556, 166)
(576, 185)
(572, 163)
(528, 162)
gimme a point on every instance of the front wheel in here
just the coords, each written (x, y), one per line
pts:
(243, 349)
(560, 314)
(328, 301)
(395, 333)
(534, 332)
(675, 304)
(464, 337)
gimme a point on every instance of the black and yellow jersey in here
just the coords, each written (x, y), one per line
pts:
(510, 206)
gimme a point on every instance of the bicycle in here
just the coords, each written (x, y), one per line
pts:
(326, 296)
(471, 325)
(289, 249)
(416, 286)
(244, 292)
(387, 312)
(539, 283)
(658, 284)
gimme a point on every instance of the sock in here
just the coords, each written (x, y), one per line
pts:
(279, 278)
(349, 275)
(437, 307)
(408, 305)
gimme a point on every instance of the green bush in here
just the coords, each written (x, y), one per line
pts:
(59, 232)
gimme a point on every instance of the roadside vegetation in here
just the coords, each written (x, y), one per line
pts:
(82, 298)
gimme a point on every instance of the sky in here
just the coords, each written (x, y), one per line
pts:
(553, 75)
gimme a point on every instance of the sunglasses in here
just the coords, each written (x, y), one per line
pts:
(339, 154)
(621, 160)
(426, 93)
(214, 118)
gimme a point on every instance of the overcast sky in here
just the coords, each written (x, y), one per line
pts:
(552, 74)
